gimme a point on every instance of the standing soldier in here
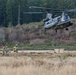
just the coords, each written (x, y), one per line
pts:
(7, 50)
(3, 50)
(15, 48)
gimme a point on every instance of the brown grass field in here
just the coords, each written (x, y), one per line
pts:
(38, 64)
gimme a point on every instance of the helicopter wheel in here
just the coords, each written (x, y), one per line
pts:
(67, 29)
(44, 30)
(56, 31)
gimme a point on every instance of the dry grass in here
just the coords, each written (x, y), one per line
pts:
(27, 65)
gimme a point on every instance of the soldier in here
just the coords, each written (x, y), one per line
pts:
(15, 48)
(7, 50)
(3, 50)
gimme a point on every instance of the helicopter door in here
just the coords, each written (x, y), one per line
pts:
(50, 23)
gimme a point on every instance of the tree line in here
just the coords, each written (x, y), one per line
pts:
(12, 11)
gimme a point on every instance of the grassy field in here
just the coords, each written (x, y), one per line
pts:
(38, 65)
(45, 46)
(32, 36)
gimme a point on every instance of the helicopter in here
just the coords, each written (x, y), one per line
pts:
(59, 22)
(56, 23)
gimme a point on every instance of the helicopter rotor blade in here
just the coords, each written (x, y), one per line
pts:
(35, 7)
(56, 10)
(71, 10)
(34, 12)
(48, 9)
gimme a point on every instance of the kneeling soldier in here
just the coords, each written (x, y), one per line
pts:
(3, 50)
(15, 48)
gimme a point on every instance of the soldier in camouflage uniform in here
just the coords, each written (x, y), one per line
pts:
(5, 50)
(15, 48)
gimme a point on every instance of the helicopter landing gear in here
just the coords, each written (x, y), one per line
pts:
(56, 30)
(67, 29)
(44, 30)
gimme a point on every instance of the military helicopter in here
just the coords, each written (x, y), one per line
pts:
(58, 22)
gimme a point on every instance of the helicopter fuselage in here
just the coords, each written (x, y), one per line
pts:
(60, 26)
(59, 22)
